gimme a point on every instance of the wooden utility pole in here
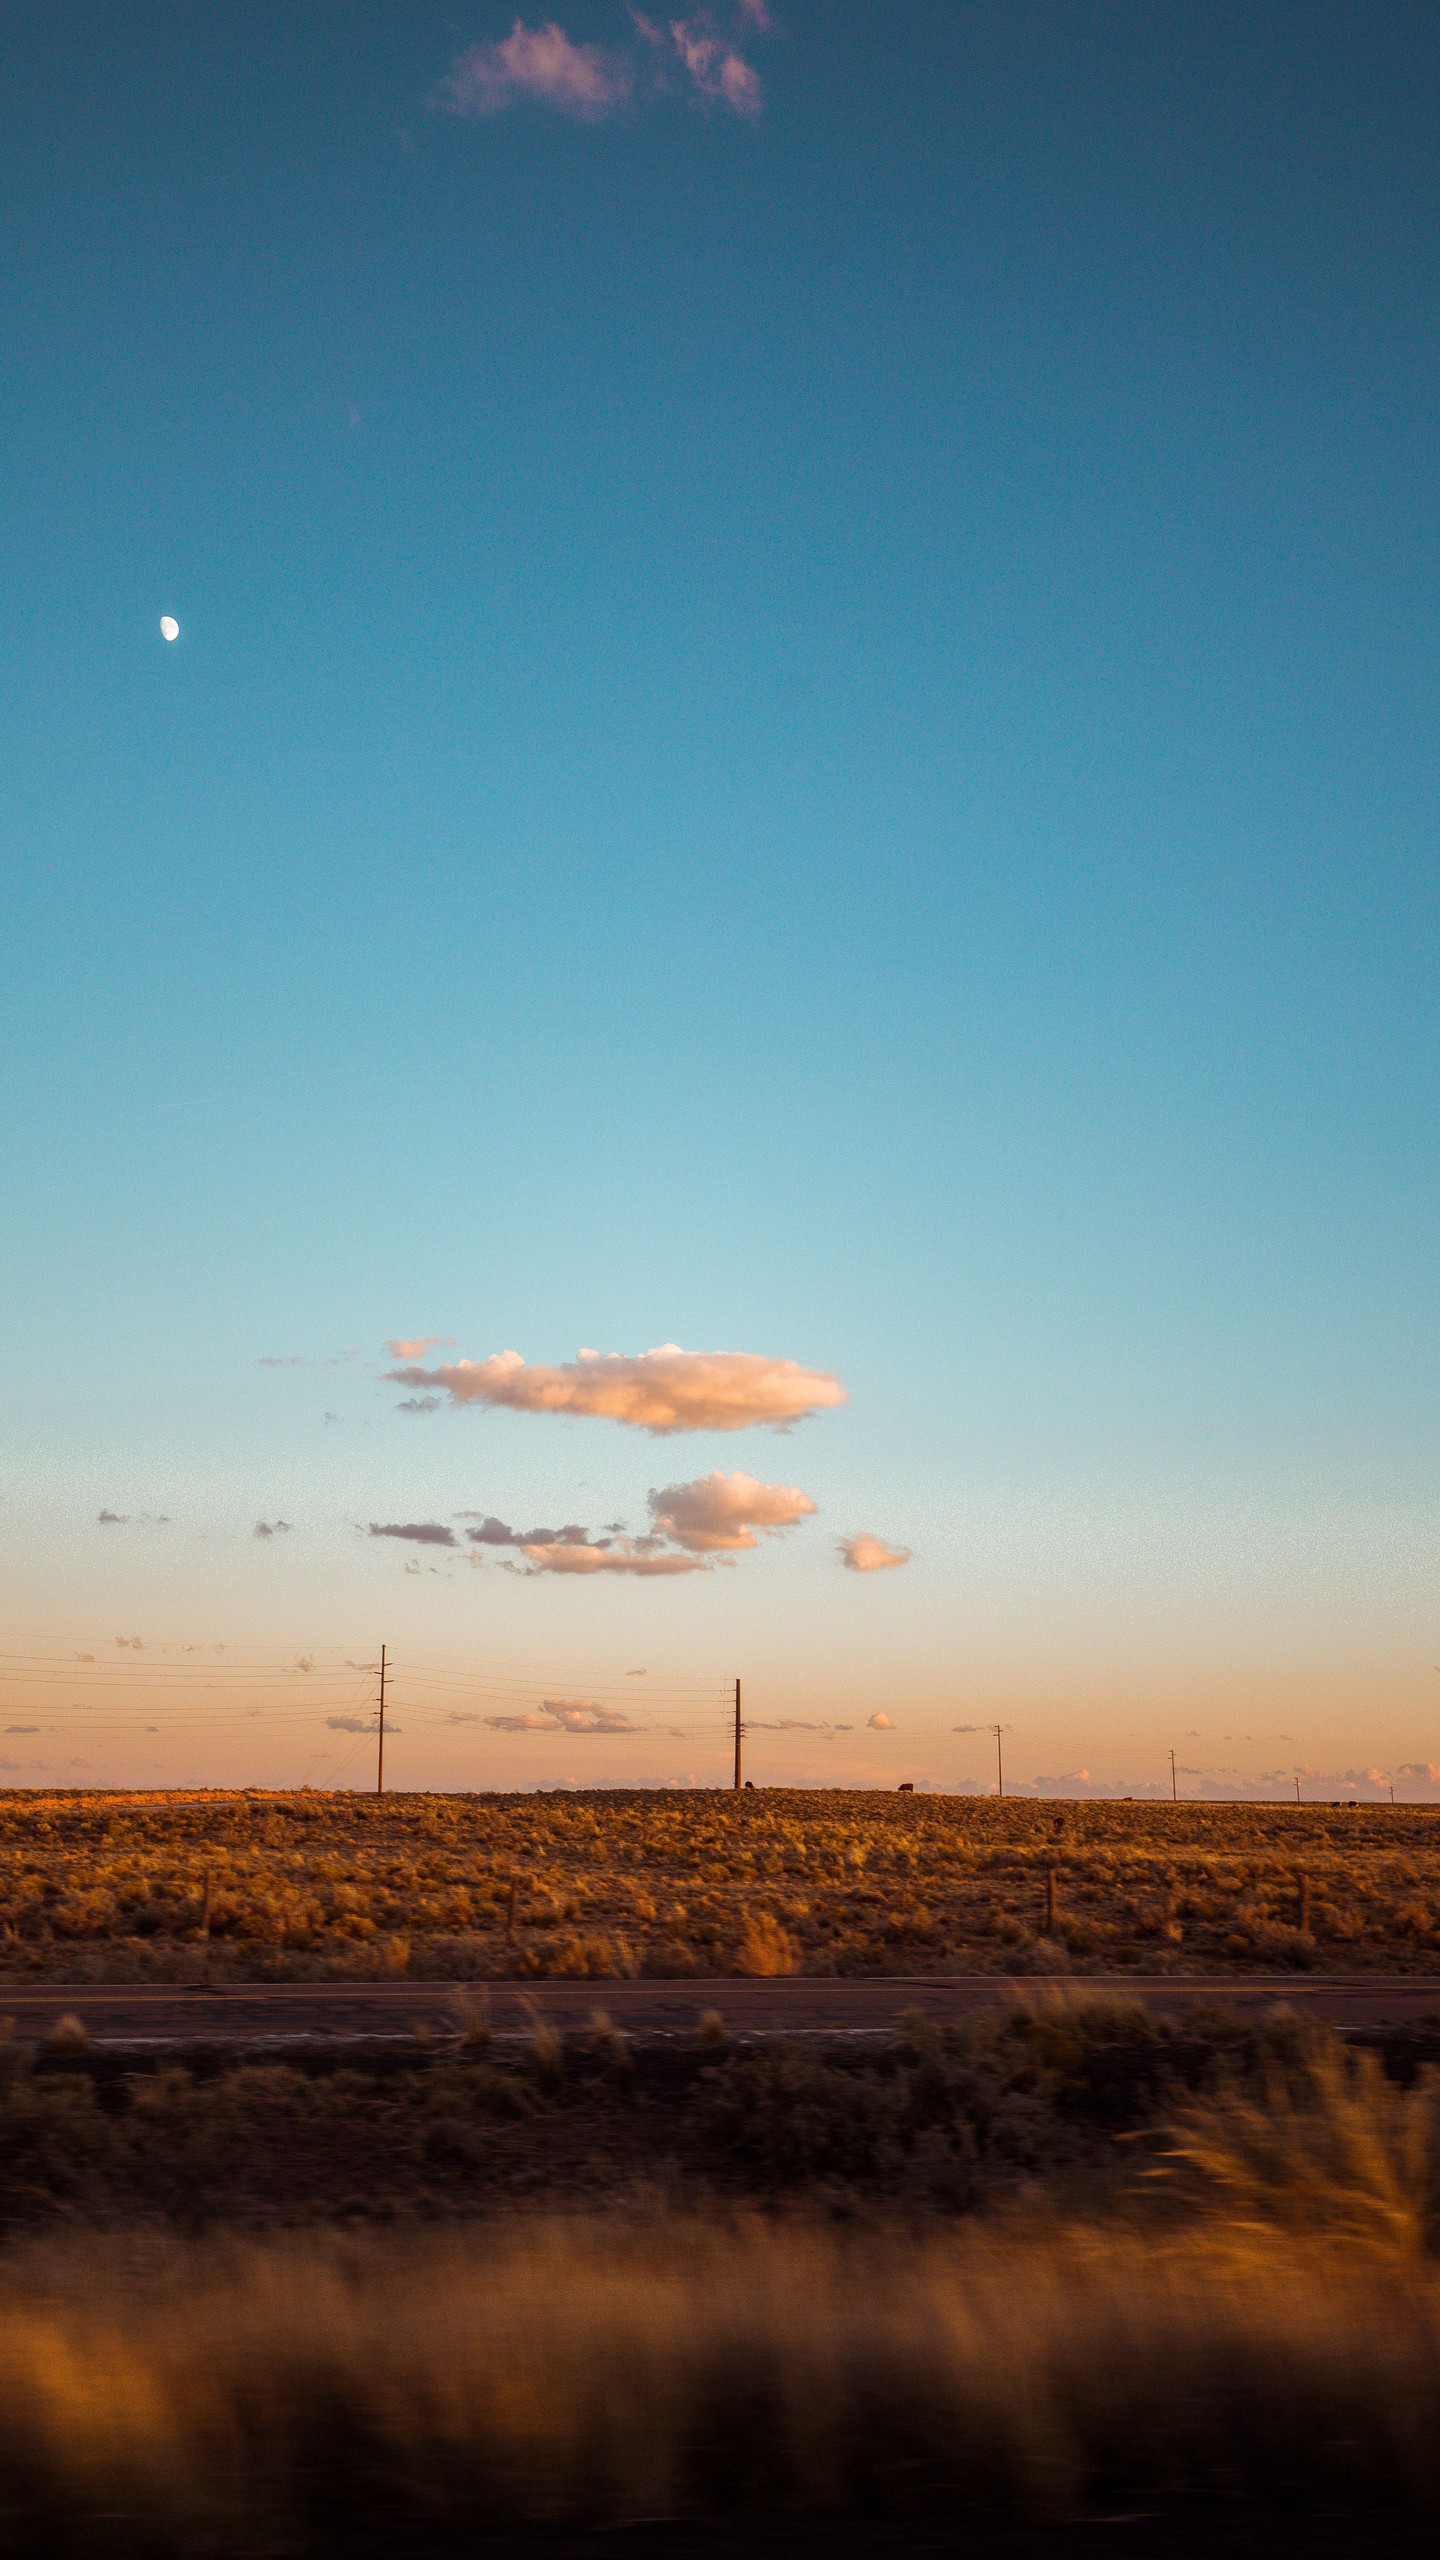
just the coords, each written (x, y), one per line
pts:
(739, 1729)
(1174, 1790)
(380, 1758)
(999, 1759)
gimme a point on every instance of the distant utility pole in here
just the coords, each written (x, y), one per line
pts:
(380, 1760)
(997, 1730)
(1174, 1790)
(739, 1729)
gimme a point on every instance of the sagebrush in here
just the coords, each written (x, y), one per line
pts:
(601, 1885)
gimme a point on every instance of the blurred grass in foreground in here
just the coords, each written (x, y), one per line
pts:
(255, 2400)
(1261, 2323)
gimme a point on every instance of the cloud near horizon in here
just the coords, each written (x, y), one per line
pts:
(417, 1533)
(864, 1554)
(659, 1391)
(566, 1715)
(543, 66)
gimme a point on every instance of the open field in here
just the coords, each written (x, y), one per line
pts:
(312, 1886)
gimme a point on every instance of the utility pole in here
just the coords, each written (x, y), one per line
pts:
(997, 1730)
(380, 1760)
(739, 1729)
(1174, 1790)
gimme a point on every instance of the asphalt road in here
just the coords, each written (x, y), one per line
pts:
(270, 2013)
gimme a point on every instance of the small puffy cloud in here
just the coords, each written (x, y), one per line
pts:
(419, 1404)
(658, 1391)
(720, 1513)
(538, 63)
(132, 1644)
(22, 1728)
(880, 1722)
(417, 1533)
(641, 1674)
(423, 1342)
(114, 1520)
(462, 1715)
(864, 1554)
(358, 1724)
(272, 1528)
(565, 1715)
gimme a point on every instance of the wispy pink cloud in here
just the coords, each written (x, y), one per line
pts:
(864, 1554)
(539, 63)
(543, 64)
(717, 70)
(417, 1348)
(658, 1391)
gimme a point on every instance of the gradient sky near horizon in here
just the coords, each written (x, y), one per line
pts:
(804, 725)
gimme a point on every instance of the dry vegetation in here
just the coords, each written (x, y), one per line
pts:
(1207, 2273)
(130, 1886)
(347, 2392)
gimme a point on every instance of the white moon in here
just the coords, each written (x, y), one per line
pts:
(169, 627)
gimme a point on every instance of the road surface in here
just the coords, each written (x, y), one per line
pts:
(283, 2012)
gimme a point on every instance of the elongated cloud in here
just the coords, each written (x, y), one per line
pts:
(575, 1551)
(720, 1513)
(565, 1715)
(417, 1533)
(657, 1391)
(537, 63)
(864, 1554)
(423, 1342)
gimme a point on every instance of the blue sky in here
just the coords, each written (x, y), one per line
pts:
(804, 725)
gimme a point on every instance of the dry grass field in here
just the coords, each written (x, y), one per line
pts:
(115, 1886)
